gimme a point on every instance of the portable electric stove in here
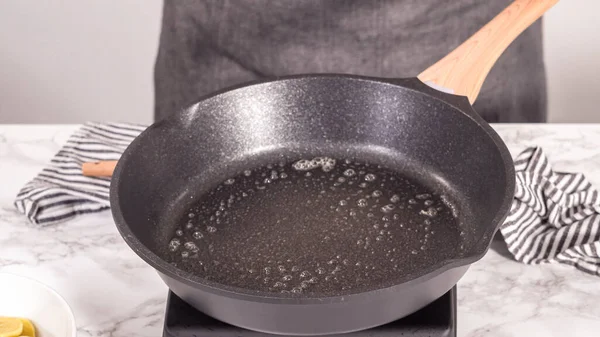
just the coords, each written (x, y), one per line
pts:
(437, 319)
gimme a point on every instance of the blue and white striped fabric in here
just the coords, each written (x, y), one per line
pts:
(60, 191)
(555, 217)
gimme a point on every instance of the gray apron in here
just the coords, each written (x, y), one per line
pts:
(208, 45)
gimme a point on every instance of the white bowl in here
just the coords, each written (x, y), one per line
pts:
(23, 297)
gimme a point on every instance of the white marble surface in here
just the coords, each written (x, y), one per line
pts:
(113, 293)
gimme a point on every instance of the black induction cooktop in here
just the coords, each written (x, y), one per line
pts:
(437, 319)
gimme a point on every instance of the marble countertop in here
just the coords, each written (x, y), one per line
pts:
(114, 293)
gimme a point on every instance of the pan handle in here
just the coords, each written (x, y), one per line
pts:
(463, 71)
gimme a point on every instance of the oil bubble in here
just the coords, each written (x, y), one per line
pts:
(430, 212)
(387, 208)
(191, 246)
(174, 244)
(349, 173)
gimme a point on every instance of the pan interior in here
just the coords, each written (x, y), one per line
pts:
(315, 226)
(426, 145)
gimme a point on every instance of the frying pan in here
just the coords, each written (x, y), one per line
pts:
(424, 127)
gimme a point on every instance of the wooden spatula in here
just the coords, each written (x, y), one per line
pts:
(99, 168)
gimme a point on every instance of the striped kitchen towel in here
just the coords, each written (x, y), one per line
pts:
(60, 192)
(555, 217)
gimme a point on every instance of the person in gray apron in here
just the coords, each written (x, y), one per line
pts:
(209, 45)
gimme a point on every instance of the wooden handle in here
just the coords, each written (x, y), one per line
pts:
(99, 168)
(466, 67)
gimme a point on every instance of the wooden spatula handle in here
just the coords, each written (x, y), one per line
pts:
(99, 168)
(466, 67)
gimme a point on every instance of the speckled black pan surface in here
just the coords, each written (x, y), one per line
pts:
(403, 125)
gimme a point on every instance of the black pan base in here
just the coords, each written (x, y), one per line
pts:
(437, 319)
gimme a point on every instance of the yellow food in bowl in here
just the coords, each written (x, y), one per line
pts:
(10, 327)
(28, 329)
(16, 327)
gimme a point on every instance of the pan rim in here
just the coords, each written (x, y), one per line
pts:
(478, 250)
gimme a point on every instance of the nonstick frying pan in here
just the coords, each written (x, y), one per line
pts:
(424, 127)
